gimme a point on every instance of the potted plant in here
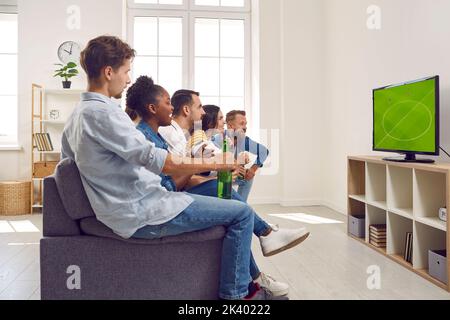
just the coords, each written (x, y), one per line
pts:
(66, 72)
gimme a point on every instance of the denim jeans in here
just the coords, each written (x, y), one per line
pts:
(207, 212)
(244, 188)
(209, 189)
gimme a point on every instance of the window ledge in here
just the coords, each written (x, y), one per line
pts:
(11, 148)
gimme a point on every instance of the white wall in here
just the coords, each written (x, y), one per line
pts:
(268, 188)
(412, 43)
(302, 83)
(318, 64)
(42, 28)
(291, 81)
(291, 76)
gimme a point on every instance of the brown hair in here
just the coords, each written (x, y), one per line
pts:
(104, 51)
(182, 98)
(232, 115)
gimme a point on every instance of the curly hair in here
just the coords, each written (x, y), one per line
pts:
(142, 93)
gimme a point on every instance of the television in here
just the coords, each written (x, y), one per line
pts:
(406, 119)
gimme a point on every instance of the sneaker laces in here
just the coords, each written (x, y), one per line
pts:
(265, 278)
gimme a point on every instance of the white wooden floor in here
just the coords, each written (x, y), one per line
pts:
(329, 265)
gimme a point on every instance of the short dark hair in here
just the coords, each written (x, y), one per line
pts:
(232, 115)
(142, 93)
(102, 52)
(182, 98)
(211, 117)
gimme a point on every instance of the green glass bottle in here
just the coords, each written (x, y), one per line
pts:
(224, 178)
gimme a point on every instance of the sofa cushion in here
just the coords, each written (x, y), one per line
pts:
(92, 227)
(71, 190)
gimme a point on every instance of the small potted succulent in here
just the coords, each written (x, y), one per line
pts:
(66, 72)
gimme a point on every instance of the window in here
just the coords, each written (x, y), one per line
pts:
(159, 45)
(8, 79)
(196, 44)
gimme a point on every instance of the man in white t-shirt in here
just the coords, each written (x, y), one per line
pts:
(188, 110)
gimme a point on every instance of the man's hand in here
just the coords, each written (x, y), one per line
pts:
(242, 172)
(222, 162)
(243, 158)
(251, 173)
(235, 175)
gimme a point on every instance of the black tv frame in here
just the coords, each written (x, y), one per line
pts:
(410, 156)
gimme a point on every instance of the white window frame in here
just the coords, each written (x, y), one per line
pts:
(245, 9)
(157, 7)
(134, 13)
(189, 5)
(11, 142)
(247, 51)
(189, 11)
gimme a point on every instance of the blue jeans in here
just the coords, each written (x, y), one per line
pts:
(207, 212)
(209, 189)
(244, 188)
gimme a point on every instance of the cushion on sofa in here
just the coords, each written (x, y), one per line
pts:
(92, 227)
(71, 190)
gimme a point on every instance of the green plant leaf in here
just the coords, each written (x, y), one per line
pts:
(71, 65)
(73, 71)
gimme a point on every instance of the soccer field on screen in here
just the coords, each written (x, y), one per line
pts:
(404, 117)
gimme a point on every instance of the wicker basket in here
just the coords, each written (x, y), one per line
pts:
(15, 198)
(44, 169)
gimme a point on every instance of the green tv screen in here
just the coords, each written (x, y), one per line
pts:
(406, 117)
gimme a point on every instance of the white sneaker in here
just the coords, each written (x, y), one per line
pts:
(276, 288)
(280, 240)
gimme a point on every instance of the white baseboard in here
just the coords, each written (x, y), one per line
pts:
(300, 203)
(334, 207)
(263, 201)
(297, 203)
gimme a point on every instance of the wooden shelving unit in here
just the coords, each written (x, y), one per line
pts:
(43, 101)
(406, 197)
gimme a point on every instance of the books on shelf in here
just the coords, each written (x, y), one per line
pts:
(377, 235)
(408, 247)
(43, 142)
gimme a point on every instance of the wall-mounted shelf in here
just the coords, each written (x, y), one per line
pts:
(406, 197)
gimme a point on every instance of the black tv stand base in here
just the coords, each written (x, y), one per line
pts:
(409, 158)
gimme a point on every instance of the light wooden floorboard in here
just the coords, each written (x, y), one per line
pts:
(328, 265)
(19, 257)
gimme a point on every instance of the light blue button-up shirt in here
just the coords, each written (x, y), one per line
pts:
(119, 168)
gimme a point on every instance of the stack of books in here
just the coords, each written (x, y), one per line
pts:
(377, 236)
(43, 142)
(408, 247)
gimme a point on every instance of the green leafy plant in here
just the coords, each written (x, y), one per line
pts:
(66, 71)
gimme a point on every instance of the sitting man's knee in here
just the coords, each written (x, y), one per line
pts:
(245, 211)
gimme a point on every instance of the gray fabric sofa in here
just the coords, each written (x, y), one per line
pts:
(81, 258)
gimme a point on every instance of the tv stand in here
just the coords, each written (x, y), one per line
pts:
(406, 197)
(410, 158)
